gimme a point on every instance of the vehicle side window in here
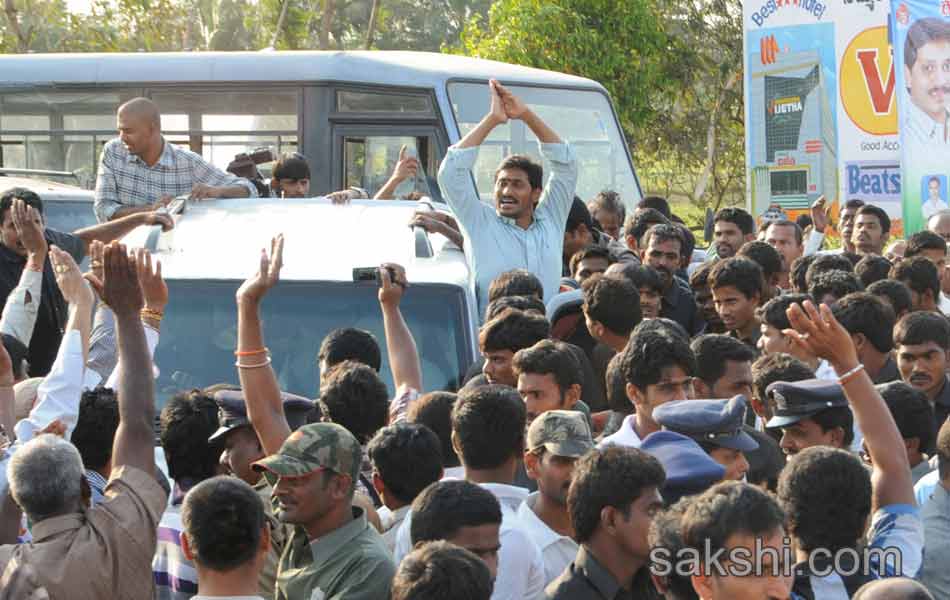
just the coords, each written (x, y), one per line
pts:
(58, 131)
(221, 124)
(368, 161)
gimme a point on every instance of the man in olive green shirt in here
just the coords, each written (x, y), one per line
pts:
(332, 552)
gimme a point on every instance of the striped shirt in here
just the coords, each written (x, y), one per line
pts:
(125, 180)
(897, 527)
(175, 575)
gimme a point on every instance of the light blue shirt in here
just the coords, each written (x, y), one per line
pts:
(495, 244)
(922, 131)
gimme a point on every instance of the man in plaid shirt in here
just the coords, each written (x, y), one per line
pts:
(140, 172)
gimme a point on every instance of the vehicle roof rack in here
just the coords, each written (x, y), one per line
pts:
(175, 208)
(421, 237)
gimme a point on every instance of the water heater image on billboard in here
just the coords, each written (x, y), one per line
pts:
(792, 130)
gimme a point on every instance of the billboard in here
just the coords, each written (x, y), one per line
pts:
(922, 49)
(820, 109)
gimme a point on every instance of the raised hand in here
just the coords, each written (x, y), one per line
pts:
(391, 288)
(69, 278)
(29, 227)
(817, 330)
(153, 285)
(514, 107)
(120, 288)
(497, 110)
(96, 249)
(819, 214)
(268, 274)
(406, 167)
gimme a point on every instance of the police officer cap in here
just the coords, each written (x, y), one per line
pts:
(717, 422)
(792, 402)
(232, 412)
(689, 470)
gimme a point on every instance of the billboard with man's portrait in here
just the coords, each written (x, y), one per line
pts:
(921, 42)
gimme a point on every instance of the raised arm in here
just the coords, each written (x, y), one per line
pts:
(115, 229)
(496, 116)
(22, 307)
(400, 345)
(823, 335)
(7, 408)
(121, 291)
(258, 381)
(406, 167)
(515, 108)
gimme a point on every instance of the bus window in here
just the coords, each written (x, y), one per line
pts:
(367, 102)
(58, 131)
(584, 118)
(220, 124)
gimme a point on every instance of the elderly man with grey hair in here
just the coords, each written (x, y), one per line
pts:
(105, 551)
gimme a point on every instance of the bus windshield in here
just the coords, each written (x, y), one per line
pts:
(584, 118)
(199, 332)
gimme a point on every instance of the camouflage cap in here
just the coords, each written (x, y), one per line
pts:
(560, 432)
(314, 447)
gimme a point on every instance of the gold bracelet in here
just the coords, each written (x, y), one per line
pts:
(254, 366)
(151, 314)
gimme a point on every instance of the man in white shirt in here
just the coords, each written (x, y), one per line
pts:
(226, 537)
(934, 203)
(556, 439)
(926, 56)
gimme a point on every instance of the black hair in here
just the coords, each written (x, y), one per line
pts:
(826, 494)
(836, 283)
(488, 423)
(912, 413)
(803, 221)
(765, 255)
(895, 293)
(769, 368)
(549, 357)
(639, 275)
(923, 32)
(19, 193)
(444, 507)
(738, 217)
(689, 242)
(349, 343)
(408, 458)
(883, 220)
(616, 390)
(578, 216)
(516, 282)
(833, 418)
(854, 203)
(639, 222)
(353, 395)
(525, 303)
(853, 257)
(589, 252)
(666, 533)
(439, 570)
(533, 170)
(291, 166)
(924, 240)
(187, 421)
(868, 315)
(827, 262)
(657, 203)
(613, 302)
(615, 476)
(434, 410)
(665, 326)
(919, 274)
(726, 509)
(18, 354)
(713, 351)
(794, 225)
(664, 233)
(608, 200)
(765, 462)
(700, 277)
(96, 426)
(512, 330)
(921, 327)
(743, 274)
(872, 268)
(223, 519)
(773, 312)
(798, 272)
(649, 352)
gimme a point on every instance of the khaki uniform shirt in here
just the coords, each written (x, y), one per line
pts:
(278, 538)
(102, 552)
(351, 563)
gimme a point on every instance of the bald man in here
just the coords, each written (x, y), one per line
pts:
(893, 588)
(140, 172)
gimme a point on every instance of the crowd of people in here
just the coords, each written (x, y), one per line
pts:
(764, 420)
